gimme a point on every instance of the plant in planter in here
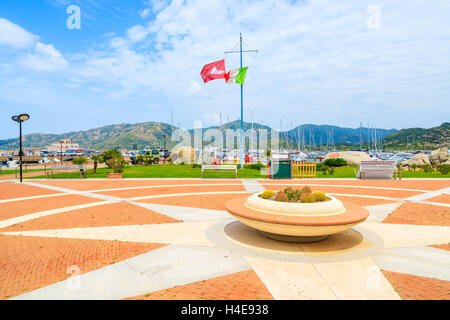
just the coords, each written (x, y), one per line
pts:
(117, 164)
(304, 195)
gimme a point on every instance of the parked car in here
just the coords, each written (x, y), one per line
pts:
(152, 155)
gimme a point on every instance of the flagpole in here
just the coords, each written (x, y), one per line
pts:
(242, 99)
(242, 110)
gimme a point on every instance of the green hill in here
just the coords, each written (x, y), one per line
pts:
(419, 138)
(151, 134)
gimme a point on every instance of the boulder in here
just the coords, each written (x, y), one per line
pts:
(352, 157)
(418, 159)
(439, 156)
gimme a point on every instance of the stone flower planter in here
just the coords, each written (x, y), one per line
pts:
(296, 222)
(114, 175)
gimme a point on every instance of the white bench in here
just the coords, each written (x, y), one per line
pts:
(219, 167)
(66, 168)
(378, 169)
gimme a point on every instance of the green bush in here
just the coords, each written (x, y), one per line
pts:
(307, 198)
(281, 196)
(254, 166)
(335, 162)
(427, 168)
(444, 168)
(196, 165)
(267, 194)
(319, 196)
(293, 194)
(319, 166)
(79, 160)
(117, 164)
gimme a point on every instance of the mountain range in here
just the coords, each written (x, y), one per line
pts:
(152, 134)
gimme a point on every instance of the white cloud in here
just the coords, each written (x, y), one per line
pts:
(14, 36)
(137, 33)
(144, 13)
(45, 58)
(317, 61)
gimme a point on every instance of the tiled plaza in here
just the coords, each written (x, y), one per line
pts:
(173, 239)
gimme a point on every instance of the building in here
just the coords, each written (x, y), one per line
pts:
(64, 145)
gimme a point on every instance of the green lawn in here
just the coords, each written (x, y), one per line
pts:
(12, 171)
(161, 171)
(186, 171)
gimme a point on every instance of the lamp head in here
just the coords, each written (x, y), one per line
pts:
(21, 117)
(24, 117)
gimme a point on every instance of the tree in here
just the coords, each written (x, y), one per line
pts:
(110, 154)
(97, 159)
(79, 161)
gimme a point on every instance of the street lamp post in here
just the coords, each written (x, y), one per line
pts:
(20, 118)
(61, 153)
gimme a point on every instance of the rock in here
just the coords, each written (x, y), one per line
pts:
(418, 159)
(352, 157)
(439, 156)
(178, 161)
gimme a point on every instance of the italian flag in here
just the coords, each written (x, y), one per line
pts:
(236, 75)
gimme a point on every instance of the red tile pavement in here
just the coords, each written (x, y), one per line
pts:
(363, 201)
(84, 185)
(204, 201)
(244, 285)
(10, 190)
(114, 214)
(442, 246)
(443, 198)
(422, 184)
(13, 209)
(411, 287)
(171, 190)
(359, 191)
(421, 214)
(28, 263)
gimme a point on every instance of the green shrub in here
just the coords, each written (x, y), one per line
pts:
(319, 166)
(306, 189)
(196, 165)
(281, 196)
(319, 196)
(79, 160)
(335, 162)
(293, 194)
(117, 164)
(254, 166)
(444, 168)
(427, 168)
(307, 198)
(267, 194)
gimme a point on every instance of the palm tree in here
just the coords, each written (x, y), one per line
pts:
(97, 159)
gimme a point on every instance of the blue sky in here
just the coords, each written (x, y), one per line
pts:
(322, 62)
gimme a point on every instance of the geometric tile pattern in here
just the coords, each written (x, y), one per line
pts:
(165, 239)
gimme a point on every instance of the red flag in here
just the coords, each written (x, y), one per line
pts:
(213, 71)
